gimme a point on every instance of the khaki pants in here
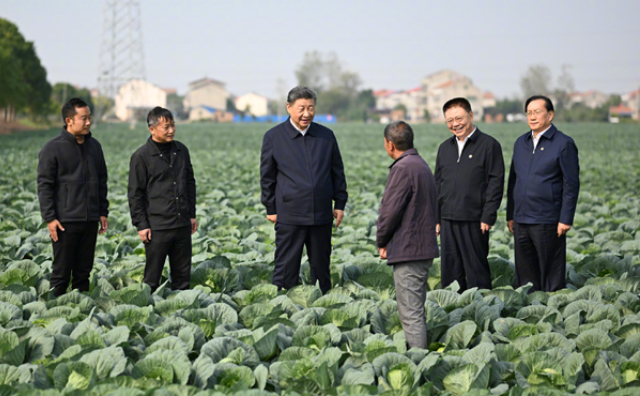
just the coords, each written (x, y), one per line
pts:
(410, 279)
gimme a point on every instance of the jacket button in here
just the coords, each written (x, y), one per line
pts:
(161, 155)
(176, 197)
(174, 182)
(178, 214)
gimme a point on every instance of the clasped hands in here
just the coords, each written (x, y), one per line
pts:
(337, 214)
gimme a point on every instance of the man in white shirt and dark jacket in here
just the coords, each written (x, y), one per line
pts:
(544, 183)
(303, 189)
(162, 200)
(406, 234)
(72, 190)
(470, 182)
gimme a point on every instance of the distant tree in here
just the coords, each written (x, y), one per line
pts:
(231, 105)
(62, 92)
(175, 103)
(562, 93)
(23, 80)
(401, 106)
(536, 81)
(509, 106)
(311, 72)
(426, 115)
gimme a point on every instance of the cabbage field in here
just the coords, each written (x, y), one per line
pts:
(234, 333)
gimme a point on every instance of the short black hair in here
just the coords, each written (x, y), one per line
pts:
(400, 134)
(157, 113)
(547, 102)
(457, 102)
(69, 108)
(300, 92)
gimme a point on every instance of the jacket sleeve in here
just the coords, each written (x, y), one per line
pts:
(268, 173)
(338, 179)
(495, 184)
(510, 188)
(137, 192)
(102, 186)
(395, 199)
(191, 187)
(438, 177)
(47, 175)
(570, 182)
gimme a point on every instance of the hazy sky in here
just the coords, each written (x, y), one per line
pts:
(391, 44)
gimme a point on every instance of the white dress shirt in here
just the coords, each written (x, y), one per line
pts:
(302, 131)
(462, 143)
(537, 139)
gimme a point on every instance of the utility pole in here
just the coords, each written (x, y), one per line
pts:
(121, 50)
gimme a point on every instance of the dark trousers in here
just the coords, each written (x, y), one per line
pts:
(464, 255)
(73, 256)
(541, 256)
(290, 239)
(175, 243)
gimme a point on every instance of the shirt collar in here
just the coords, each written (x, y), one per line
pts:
(541, 133)
(302, 131)
(475, 128)
(154, 147)
(67, 135)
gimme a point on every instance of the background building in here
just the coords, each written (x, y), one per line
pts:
(136, 98)
(206, 92)
(252, 104)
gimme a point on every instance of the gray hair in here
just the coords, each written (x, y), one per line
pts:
(300, 92)
(400, 134)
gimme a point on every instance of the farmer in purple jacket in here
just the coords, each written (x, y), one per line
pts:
(406, 234)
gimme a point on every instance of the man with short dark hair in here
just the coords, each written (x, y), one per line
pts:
(406, 229)
(162, 200)
(470, 182)
(302, 176)
(542, 196)
(72, 190)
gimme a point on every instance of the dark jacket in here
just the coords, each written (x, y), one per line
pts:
(300, 176)
(72, 179)
(162, 191)
(470, 189)
(544, 184)
(406, 226)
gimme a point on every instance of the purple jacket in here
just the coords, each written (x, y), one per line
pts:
(406, 226)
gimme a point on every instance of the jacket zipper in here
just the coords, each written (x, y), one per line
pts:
(313, 184)
(524, 209)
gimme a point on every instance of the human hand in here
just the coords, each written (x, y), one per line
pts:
(194, 226)
(53, 226)
(563, 229)
(145, 235)
(339, 215)
(438, 229)
(272, 218)
(485, 227)
(383, 253)
(104, 224)
(510, 224)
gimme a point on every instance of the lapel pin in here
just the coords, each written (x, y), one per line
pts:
(470, 156)
(542, 148)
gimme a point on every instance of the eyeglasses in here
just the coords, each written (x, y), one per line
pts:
(537, 112)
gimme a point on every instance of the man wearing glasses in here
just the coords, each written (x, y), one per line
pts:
(162, 200)
(541, 198)
(469, 183)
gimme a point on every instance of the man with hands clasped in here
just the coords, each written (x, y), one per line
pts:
(162, 200)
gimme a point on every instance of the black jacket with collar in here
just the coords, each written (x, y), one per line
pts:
(72, 179)
(300, 175)
(162, 191)
(470, 188)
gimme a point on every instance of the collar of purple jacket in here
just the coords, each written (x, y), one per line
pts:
(411, 151)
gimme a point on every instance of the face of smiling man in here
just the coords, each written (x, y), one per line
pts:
(302, 112)
(459, 122)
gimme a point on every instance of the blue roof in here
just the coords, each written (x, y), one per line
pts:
(209, 109)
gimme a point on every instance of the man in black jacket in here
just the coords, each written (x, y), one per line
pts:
(406, 229)
(301, 173)
(162, 200)
(470, 182)
(72, 190)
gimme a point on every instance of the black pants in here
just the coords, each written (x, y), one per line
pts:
(290, 240)
(541, 256)
(464, 255)
(73, 256)
(175, 243)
